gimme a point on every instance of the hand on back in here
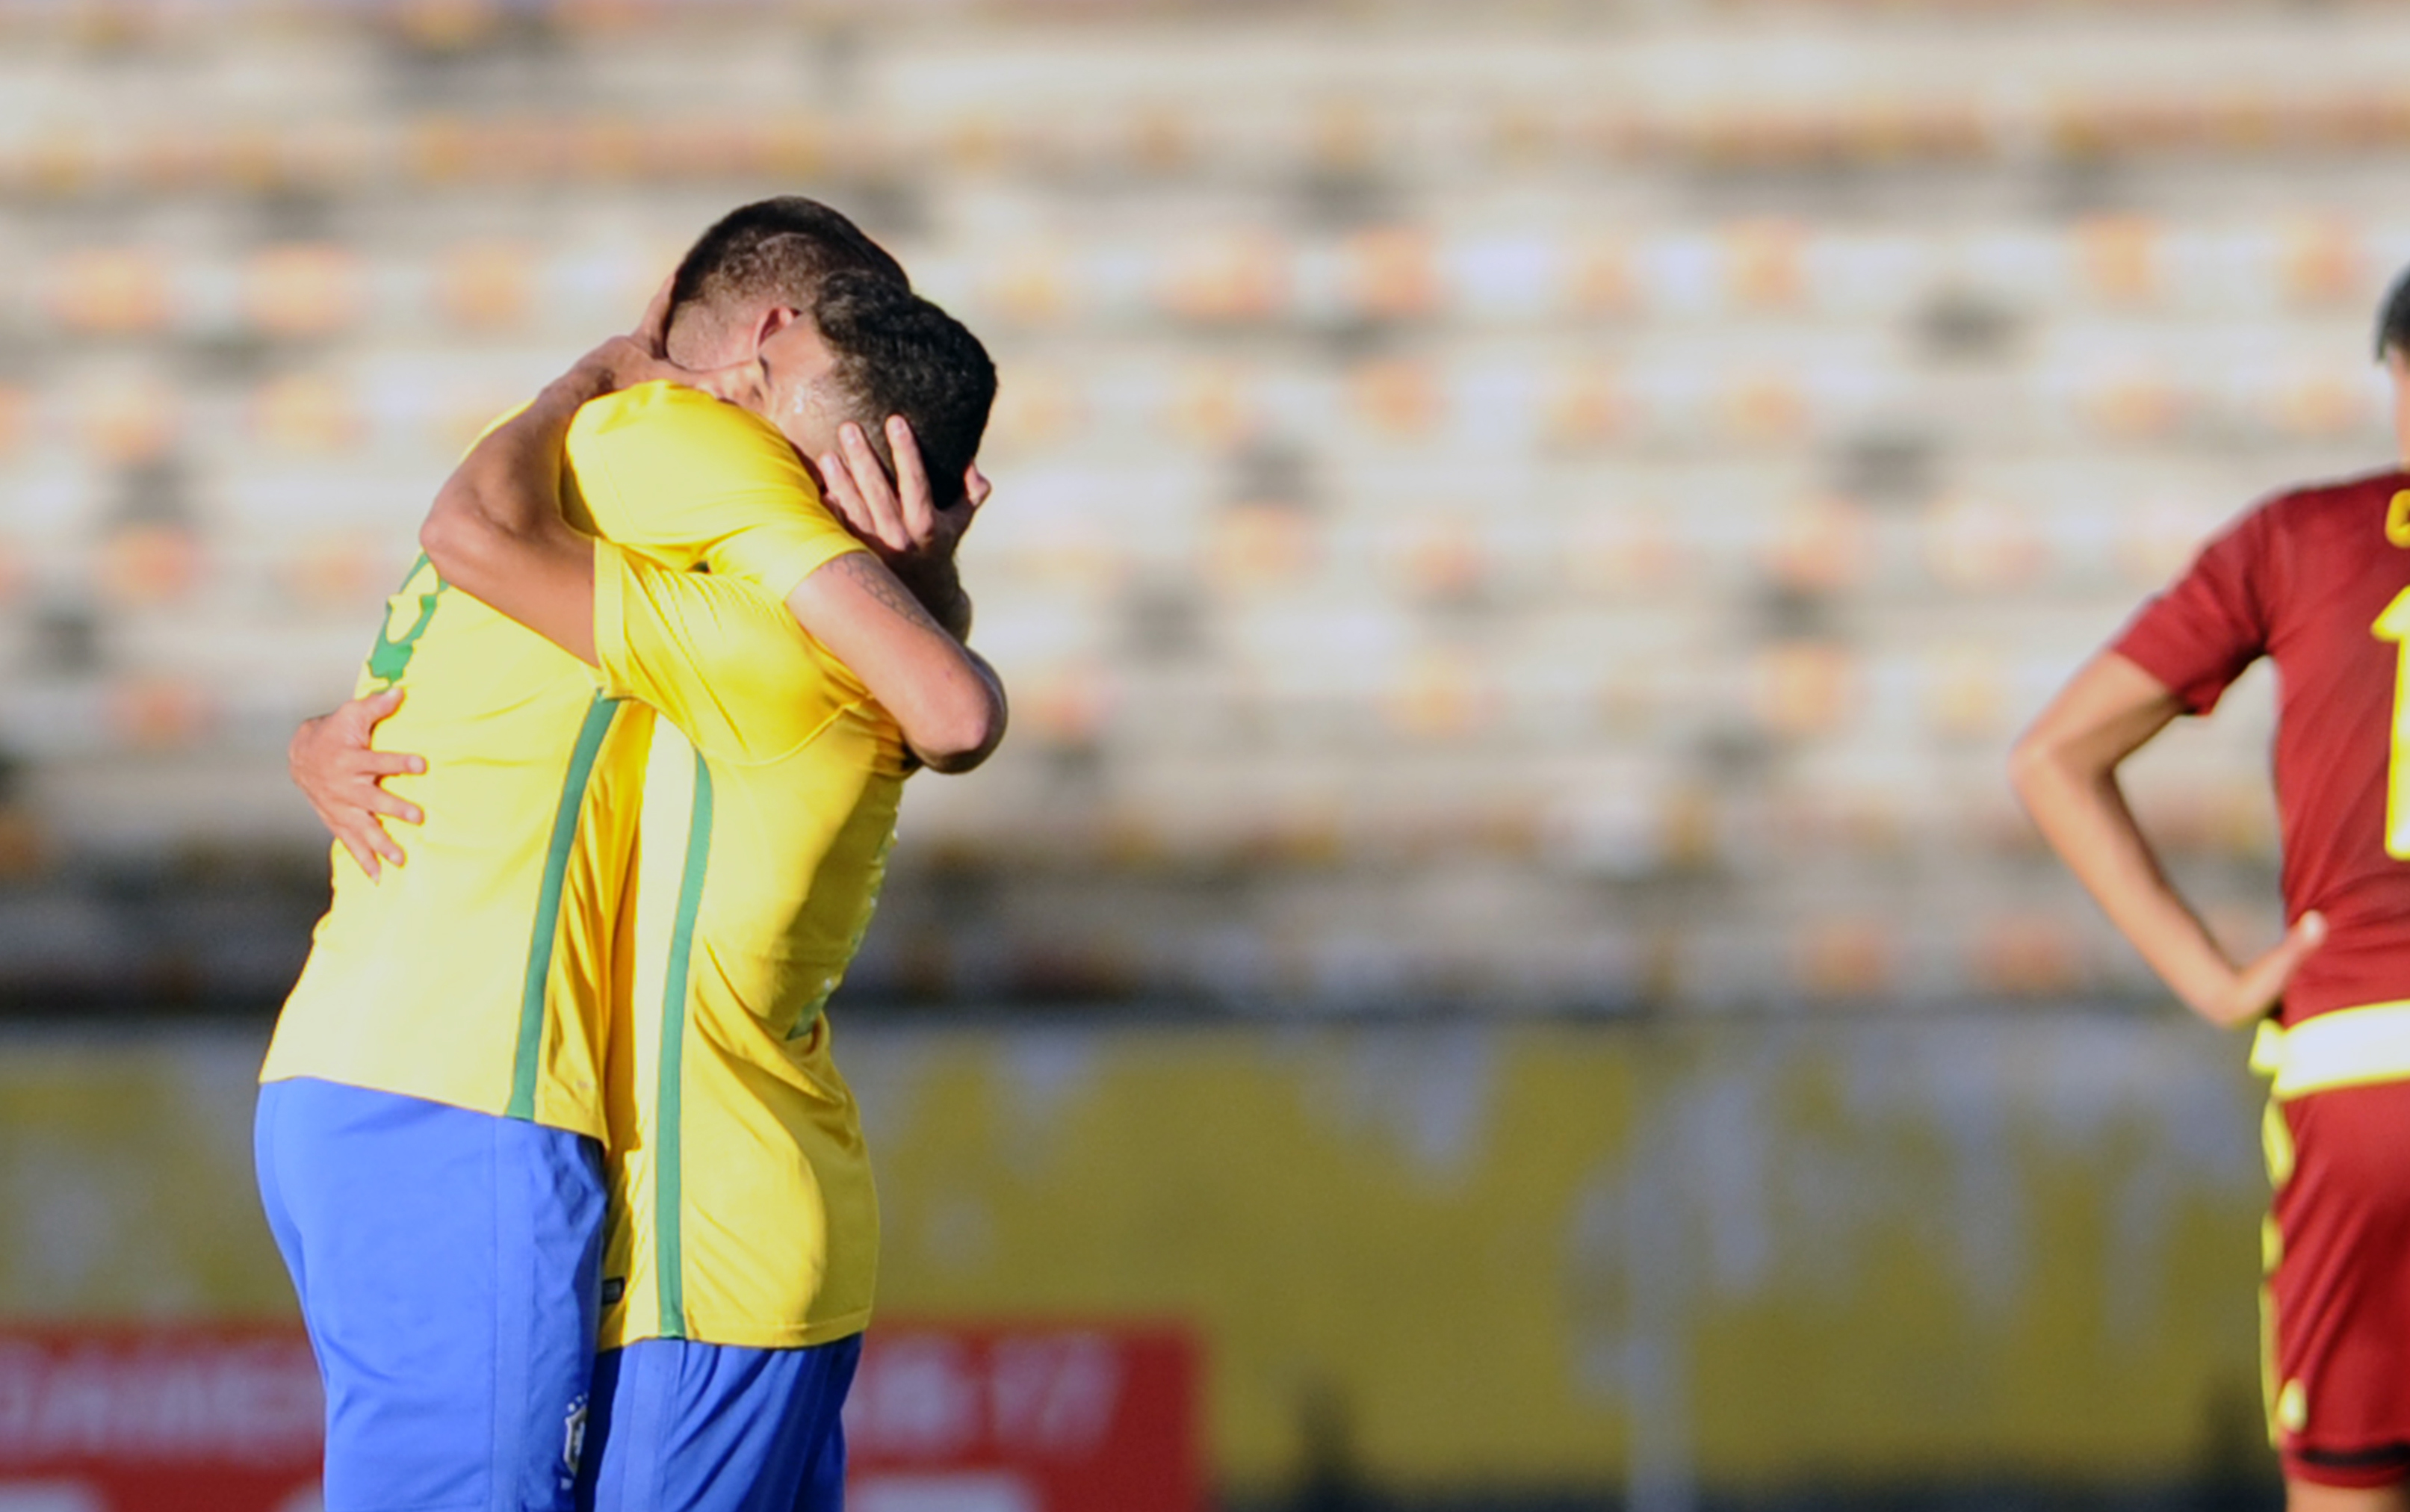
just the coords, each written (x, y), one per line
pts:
(335, 764)
(640, 358)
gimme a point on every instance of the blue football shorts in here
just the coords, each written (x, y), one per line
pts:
(449, 1267)
(685, 1427)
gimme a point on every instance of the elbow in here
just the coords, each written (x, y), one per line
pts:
(2030, 764)
(2026, 760)
(961, 736)
(464, 542)
(2042, 767)
(449, 538)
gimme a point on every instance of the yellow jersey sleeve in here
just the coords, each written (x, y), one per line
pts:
(684, 478)
(720, 660)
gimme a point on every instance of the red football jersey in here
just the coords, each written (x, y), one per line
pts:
(2319, 580)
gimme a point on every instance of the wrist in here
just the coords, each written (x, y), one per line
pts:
(2208, 988)
(572, 390)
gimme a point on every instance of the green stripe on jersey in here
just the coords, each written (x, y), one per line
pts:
(540, 945)
(671, 1254)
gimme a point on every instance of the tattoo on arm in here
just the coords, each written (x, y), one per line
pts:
(940, 592)
(880, 583)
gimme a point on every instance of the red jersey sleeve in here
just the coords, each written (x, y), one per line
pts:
(2211, 622)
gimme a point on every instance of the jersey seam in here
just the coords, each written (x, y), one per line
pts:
(805, 743)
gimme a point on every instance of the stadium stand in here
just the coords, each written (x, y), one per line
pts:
(1560, 509)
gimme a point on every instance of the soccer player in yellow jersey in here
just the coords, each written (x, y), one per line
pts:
(743, 1235)
(430, 1130)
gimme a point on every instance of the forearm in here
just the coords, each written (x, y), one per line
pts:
(506, 490)
(495, 531)
(939, 588)
(948, 701)
(2083, 813)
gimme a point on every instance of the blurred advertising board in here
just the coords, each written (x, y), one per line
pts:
(158, 1419)
(1059, 1418)
(1063, 1418)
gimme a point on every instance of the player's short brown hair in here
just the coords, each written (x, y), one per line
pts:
(2393, 319)
(773, 252)
(898, 354)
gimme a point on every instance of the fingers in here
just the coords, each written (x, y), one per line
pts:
(367, 831)
(375, 799)
(389, 763)
(976, 488)
(2308, 933)
(361, 856)
(369, 844)
(867, 498)
(354, 789)
(357, 727)
(920, 510)
(342, 775)
(871, 480)
(652, 331)
(619, 363)
(731, 383)
(352, 820)
(2263, 981)
(623, 362)
(364, 838)
(838, 492)
(373, 710)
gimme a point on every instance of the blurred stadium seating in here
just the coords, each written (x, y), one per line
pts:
(1544, 510)
(1461, 468)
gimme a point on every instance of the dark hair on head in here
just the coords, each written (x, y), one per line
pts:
(897, 353)
(2393, 319)
(775, 251)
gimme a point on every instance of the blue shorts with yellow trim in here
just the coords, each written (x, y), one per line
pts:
(713, 1427)
(449, 1269)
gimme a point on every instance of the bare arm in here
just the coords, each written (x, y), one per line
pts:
(953, 723)
(495, 530)
(900, 517)
(2065, 769)
(947, 699)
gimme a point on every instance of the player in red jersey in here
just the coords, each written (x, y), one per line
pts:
(2318, 580)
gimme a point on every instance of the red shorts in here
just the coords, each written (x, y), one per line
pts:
(2339, 1292)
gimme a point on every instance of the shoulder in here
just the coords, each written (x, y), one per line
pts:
(673, 421)
(2341, 504)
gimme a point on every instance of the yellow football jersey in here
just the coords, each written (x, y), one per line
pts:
(742, 1208)
(473, 975)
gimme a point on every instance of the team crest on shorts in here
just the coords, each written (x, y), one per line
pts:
(572, 1438)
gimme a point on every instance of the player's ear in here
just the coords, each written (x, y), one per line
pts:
(772, 321)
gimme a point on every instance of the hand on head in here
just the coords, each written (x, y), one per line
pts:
(899, 517)
(623, 362)
(640, 358)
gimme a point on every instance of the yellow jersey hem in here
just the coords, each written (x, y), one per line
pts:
(761, 1335)
(270, 1075)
